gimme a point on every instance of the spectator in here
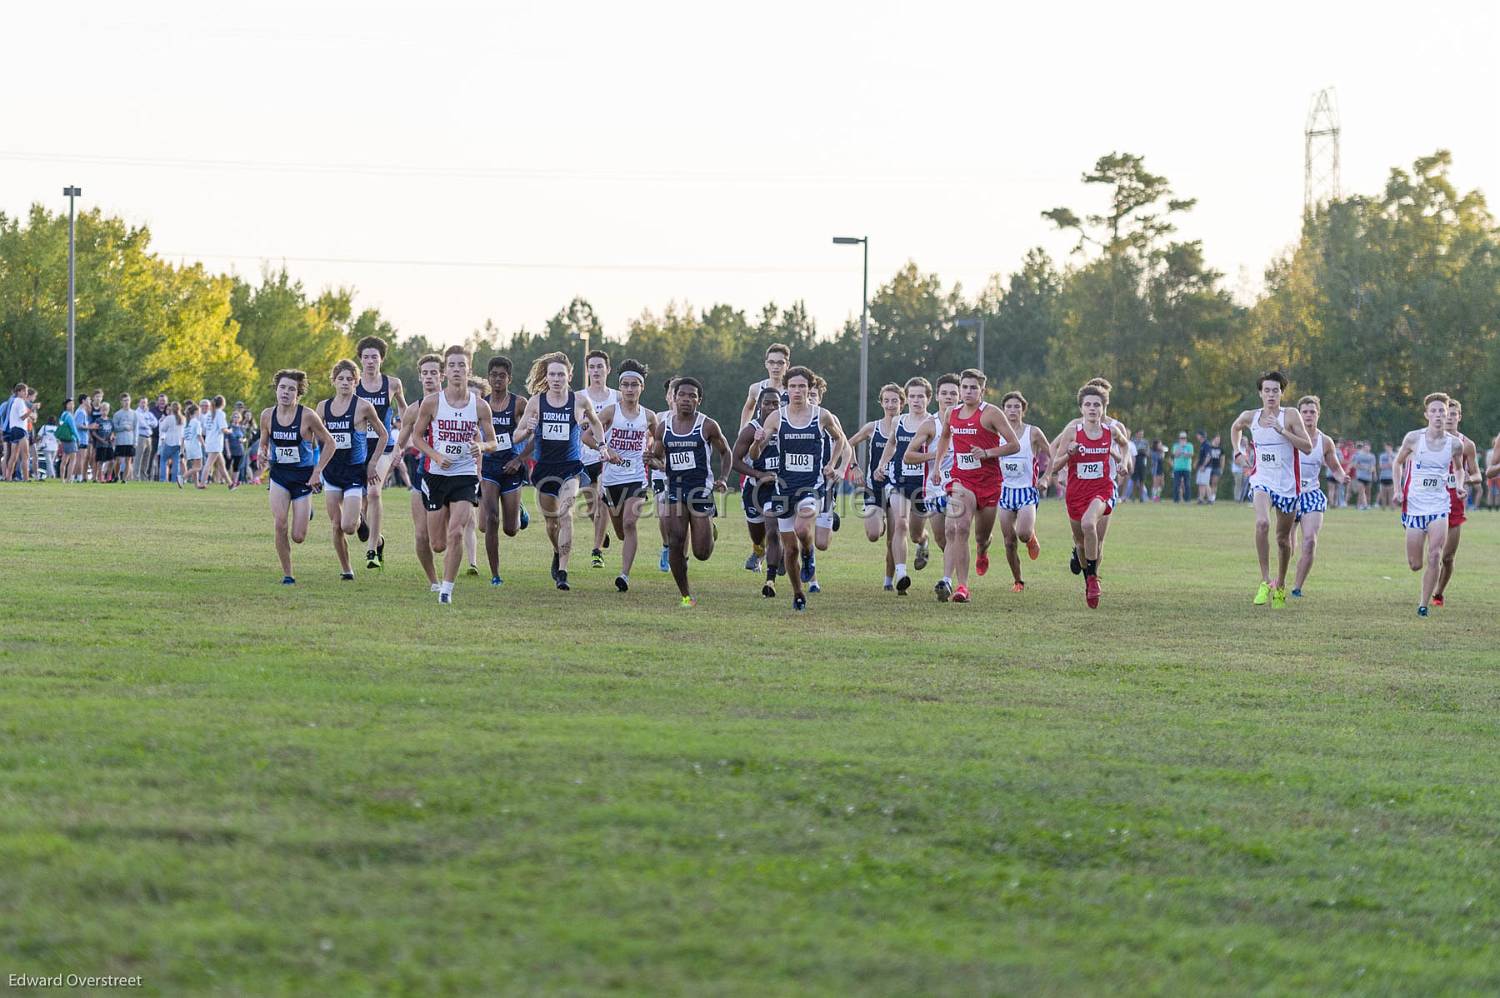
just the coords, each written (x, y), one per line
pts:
(1182, 467)
(145, 441)
(1215, 467)
(236, 440)
(1142, 469)
(124, 420)
(102, 434)
(1346, 461)
(15, 413)
(192, 444)
(1158, 459)
(83, 422)
(1387, 463)
(1201, 473)
(47, 446)
(1364, 473)
(170, 429)
(67, 439)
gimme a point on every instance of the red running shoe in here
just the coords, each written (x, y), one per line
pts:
(1018, 587)
(1091, 591)
(982, 563)
(1034, 548)
(1437, 601)
(961, 594)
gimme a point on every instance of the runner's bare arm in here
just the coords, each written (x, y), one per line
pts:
(314, 430)
(527, 423)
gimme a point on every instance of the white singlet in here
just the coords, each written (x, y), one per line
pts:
(1275, 458)
(586, 453)
(1018, 470)
(1310, 466)
(1425, 491)
(452, 430)
(627, 437)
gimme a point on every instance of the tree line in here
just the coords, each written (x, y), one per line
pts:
(1383, 298)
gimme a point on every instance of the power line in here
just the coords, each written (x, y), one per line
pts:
(513, 265)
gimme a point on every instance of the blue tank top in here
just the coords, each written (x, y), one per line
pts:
(907, 475)
(503, 419)
(557, 432)
(770, 456)
(878, 441)
(288, 450)
(350, 448)
(687, 454)
(801, 449)
(381, 400)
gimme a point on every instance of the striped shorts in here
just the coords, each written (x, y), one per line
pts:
(1312, 501)
(1016, 499)
(1284, 504)
(1422, 522)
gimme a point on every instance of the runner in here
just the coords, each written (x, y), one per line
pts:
(838, 459)
(1274, 443)
(503, 471)
(979, 435)
(778, 357)
(1019, 483)
(659, 488)
(937, 468)
(877, 512)
(1464, 473)
(1425, 500)
(598, 392)
(681, 450)
(553, 416)
(908, 481)
(291, 430)
(452, 428)
(796, 430)
(346, 416)
(387, 396)
(759, 485)
(1091, 449)
(628, 427)
(430, 374)
(1311, 500)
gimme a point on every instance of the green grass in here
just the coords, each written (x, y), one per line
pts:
(222, 784)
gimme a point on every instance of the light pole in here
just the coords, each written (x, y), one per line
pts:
(974, 324)
(70, 193)
(864, 325)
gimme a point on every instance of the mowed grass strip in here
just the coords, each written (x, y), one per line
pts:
(221, 783)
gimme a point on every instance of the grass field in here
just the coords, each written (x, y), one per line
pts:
(222, 784)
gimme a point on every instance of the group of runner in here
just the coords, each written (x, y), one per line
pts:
(949, 473)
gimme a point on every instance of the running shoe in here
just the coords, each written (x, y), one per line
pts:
(287, 580)
(435, 588)
(688, 603)
(1421, 611)
(562, 580)
(554, 566)
(982, 563)
(1278, 598)
(663, 565)
(363, 533)
(1018, 587)
(495, 580)
(808, 568)
(1034, 548)
(1091, 591)
(903, 583)
(1262, 594)
(525, 518)
(1074, 565)
(752, 563)
(622, 583)
(921, 559)
(346, 576)
(799, 603)
(1297, 593)
(1437, 601)
(596, 558)
(813, 587)
(473, 569)
(836, 521)
(768, 590)
(380, 552)
(961, 594)
(606, 540)
(889, 587)
(943, 590)
(445, 597)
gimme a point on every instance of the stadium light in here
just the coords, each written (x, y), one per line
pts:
(70, 192)
(974, 324)
(864, 325)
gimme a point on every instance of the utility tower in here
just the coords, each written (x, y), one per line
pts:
(1320, 177)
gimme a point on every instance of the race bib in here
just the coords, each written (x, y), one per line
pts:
(1430, 482)
(503, 440)
(911, 471)
(682, 460)
(1268, 459)
(1452, 480)
(799, 462)
(967, 461)
(772, 463)
(556, 431)
(1091, 469)
(454, 449)
(342, 440)
(1013, 467)
(288, 455)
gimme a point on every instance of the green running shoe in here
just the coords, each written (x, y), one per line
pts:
(1262, 594)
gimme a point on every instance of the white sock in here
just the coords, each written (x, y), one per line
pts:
(446, 587)
(624, 576)
(948, 579)
(900, 570)
(887, 580)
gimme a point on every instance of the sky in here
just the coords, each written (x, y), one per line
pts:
(458, 162)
